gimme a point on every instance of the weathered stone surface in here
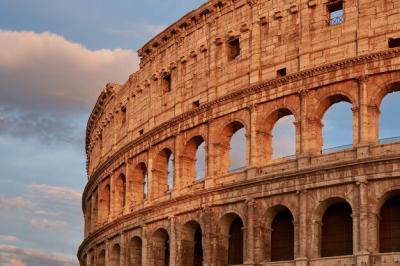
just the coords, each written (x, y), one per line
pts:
(194, 87)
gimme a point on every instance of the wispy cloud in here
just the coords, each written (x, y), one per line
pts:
(14, 256)
(14, 203)
(137, 30)
(8, 238)
(56, 192)
(46, 224)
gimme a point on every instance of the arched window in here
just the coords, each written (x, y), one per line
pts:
(232, 145)
(139, 183)
(284, 135)
(193, 161)
(192, 247)
(337, 230)
(235, 246)
(105, 203)
(120, 196)
(135, 251)
(163, 173)
(389, 226)
(389, 128)
(101, 259)
(115, 258)
(230, 251)
(337, 124)
(282, 236)
(161, 248)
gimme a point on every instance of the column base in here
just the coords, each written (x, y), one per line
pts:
(363, 258)
(303, 261)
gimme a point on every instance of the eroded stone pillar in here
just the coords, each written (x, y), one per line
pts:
(249, 247)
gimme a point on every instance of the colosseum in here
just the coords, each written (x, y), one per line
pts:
(165, 187)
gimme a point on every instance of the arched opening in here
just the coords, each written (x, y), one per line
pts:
(92, 261)
(233, 147)
(95, 209)
(120, 193)
(101, 259)
(139, 183)
(163, 173)
(115, 258)
(135, 251)
(389, 225)
(337, 230)
(337, 124)
(192, 244)
(161, 247)
(105, 203)
(281, 134)
(282, 236)
(231, 240)
(389, 128)
(193, 161)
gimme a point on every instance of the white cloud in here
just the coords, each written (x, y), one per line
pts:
(46, 224)
(45, 69)
(55, 192)
(14, 256)
(9, 238)
(14, 203)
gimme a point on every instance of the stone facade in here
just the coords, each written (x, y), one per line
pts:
(236, 64)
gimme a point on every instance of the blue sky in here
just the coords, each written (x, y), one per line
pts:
(55, 57)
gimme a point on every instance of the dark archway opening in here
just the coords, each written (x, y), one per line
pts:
(389, 226)
(337, 231)
(282, 236)
(198, 248)
(235, 244)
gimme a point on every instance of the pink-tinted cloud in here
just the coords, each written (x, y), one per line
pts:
(45, 224)
(45, 70)
(8, 238)
(55, 192)
(14, 256)
(14, 203)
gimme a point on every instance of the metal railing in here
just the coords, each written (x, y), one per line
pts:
(389, 140)
(336, 20)
(336, 149)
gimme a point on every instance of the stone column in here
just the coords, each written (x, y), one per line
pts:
(207, 237)
(249, 247)
(145, 243)
(363, 123)
(253, 160)
(172, 242)
(123, 250)
(302, 256)
(363, 252)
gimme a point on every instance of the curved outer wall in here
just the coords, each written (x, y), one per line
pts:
(189, 89)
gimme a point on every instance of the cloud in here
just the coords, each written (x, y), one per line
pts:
(14, 256)
(14, 203)
(47, 82)
(55, 192)
(9, 238)
(48, 213)
(46, 224)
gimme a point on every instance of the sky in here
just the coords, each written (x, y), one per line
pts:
(55, 57)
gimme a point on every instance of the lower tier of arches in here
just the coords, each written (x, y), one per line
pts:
(344, 215)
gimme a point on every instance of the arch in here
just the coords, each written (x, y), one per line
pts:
(336, 228)
(388, 115)
(101, 259)
(192, 244)
(383, 89)
(193, 160)
(233, 156)
(282, 235)
(272, 144)
(120, 193)
(139, 183)
(161, 247)
(319, 115)
(115, 258)
(163, 173)
(135, 251)
(389, 223)
(231, 244)
(105, 202)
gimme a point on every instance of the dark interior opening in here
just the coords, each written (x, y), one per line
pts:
(234, 49)
(235, 246)
(282, 237)
(394, 42)
(389, 226)
(198, 248)
(281, 72)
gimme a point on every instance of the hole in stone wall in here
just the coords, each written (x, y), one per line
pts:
(196, 104)
(167, 83)
(281, 72)
(336, 12)
(394, 42)
(234, 49)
